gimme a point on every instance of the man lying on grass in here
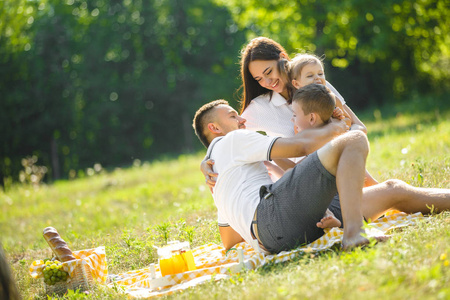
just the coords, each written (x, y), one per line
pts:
(284, 214)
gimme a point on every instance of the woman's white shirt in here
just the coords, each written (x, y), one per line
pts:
(270, 115)
(274, 115)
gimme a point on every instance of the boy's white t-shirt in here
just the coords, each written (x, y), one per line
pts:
(238, 159)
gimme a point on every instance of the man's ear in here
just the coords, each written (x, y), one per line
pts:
(213, 128)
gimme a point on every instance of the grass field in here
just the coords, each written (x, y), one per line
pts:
(131, 210)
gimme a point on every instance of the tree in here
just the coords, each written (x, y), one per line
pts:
(377, 50)
(111, 81)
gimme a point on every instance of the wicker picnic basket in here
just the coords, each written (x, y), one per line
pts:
(81, 280)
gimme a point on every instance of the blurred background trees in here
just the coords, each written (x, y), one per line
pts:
(109, 82)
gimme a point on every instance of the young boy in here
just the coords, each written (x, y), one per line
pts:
(313, 106)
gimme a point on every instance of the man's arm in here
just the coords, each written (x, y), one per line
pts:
(307, 141)
(229, 237)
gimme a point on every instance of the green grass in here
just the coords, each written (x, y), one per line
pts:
(131, 210)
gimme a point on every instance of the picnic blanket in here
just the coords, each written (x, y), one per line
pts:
(213, 263)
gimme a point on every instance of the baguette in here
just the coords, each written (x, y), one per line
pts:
(58, 245)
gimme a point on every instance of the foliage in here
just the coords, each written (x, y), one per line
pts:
(108, 81)
(375, 49)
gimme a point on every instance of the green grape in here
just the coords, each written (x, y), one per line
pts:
(54, 273)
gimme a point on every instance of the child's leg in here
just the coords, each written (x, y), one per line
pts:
(328, 221)
(369, 180)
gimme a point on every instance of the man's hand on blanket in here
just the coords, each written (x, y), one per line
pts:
(207, 170)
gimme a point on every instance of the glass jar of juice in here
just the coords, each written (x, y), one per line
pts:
(175, 258)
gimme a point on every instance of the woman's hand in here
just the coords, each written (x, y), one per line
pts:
(207, 170)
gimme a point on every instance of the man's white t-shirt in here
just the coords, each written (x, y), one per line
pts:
(238, 159)
(274, 115)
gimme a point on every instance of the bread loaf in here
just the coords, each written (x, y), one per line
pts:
(58, 245)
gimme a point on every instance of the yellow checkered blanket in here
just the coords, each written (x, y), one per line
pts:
(213, 263)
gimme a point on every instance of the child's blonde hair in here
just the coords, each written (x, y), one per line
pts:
(288, 69)
(300, 60)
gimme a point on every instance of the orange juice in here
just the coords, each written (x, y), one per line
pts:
(176, 258)
(189, 260)
(166, 266)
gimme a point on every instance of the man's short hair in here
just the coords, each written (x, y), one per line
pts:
(202, 117)
(316, 98)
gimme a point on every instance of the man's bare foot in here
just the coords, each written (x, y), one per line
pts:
(328, 222)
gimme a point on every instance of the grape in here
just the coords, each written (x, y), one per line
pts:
(54, 273)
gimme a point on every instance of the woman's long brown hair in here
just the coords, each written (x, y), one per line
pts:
(260, 48)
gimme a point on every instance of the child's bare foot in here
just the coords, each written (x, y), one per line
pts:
(328, 221)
